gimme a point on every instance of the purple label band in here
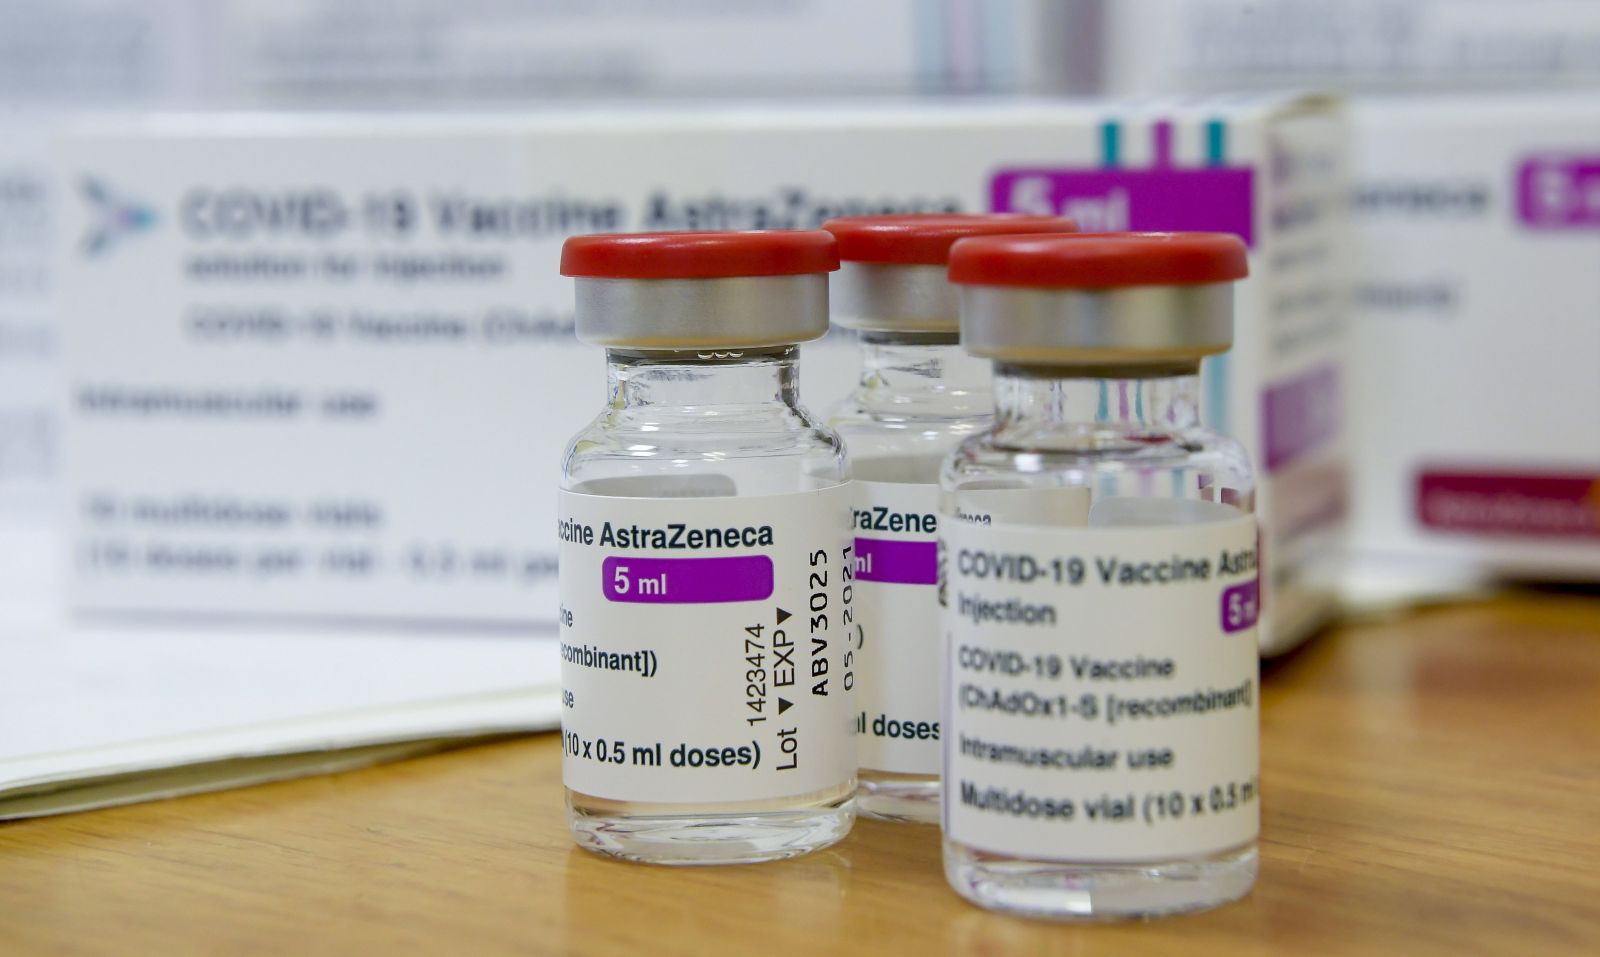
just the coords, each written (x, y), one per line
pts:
(686, 581)
(1559, 192)
(1241, 606)
(1209, 199)
(897, 563)
(1299, 416)
(1519, 504)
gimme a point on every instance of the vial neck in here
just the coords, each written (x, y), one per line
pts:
(1134, 399)
(680, 379)
(927, 368)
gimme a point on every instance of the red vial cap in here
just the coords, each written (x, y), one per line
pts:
(1099, 260)
(700, 255)
(925, 239)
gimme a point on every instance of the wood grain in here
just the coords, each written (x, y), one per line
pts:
(1431, 786)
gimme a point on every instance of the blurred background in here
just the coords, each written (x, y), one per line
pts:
(1445, 440)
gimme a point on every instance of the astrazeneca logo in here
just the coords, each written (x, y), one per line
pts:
(111, 217)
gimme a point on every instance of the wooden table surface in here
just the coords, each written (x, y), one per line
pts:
(1431, 785)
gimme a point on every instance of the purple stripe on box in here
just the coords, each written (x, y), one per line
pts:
(1559, 192)
(1299, 415)
(1161, 136)
(1241, 606)
(1214, 198)
(897, 563)
(686, 581)
(1524, 504)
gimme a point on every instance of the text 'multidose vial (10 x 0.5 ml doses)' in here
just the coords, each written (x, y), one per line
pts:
(705, 572)
(920, 394)
(1099, 582)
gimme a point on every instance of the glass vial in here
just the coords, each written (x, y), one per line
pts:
(1099, 583)
(920, 394)
(705, 557)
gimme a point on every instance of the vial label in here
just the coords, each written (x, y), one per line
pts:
(897, 574)
(1101, 698)
(708, 646)
(1003, 505)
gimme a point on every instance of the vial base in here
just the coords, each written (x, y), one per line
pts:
(904, 798)
(1056, 890)
(741, 833)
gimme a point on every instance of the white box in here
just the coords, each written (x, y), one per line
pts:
(59, 55)
(1477, 380)
(323, 365)
(410, 54)
(1162, 46)
(28, 353)
(295, 53)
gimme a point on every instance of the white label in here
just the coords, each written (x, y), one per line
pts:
(897, 574)
(708, 646)
(999, 503)
(1101, 701)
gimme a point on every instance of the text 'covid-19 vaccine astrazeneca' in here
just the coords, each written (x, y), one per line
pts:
(707, 636)
(919, 395)
(1098, 575)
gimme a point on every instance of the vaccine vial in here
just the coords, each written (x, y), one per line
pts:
(705, 557)
(920, 394)
(1099, 585)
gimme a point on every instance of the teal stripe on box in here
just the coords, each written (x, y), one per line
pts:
(1109, 141)
(1215, 373)
(1216, 142)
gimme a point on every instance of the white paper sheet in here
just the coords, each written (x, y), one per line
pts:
(81, 702)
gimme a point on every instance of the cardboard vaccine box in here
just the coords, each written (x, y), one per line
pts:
(294, 53)
(1476, 383)
(438, 54)
(28, 352)
(59, 56)
(1159, 46)
(324, 366)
